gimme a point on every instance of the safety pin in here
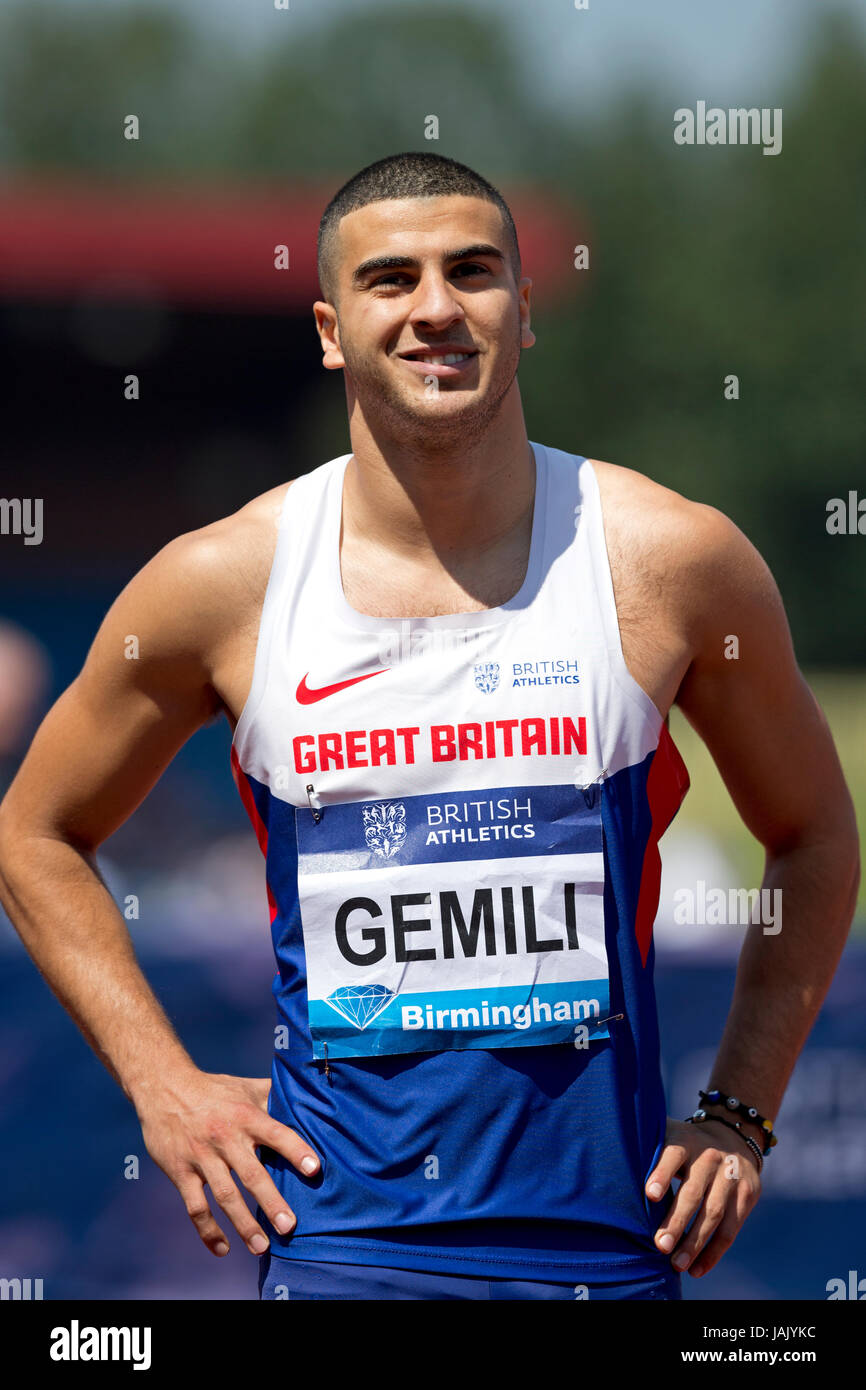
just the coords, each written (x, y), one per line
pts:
(589, 790)
(595, 781)
(315, 803)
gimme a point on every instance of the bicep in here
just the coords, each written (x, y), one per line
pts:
(142, 692)
(746, 697)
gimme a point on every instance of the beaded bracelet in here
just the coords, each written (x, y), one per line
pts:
(700, 1116)
(748, 1112)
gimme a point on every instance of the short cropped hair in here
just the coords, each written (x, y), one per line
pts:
(408, 175)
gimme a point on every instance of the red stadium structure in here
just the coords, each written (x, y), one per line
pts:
(206, 248)
(177, 287)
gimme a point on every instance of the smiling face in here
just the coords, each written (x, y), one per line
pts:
(429, 321)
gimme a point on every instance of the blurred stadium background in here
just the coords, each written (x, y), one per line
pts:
(155, 257)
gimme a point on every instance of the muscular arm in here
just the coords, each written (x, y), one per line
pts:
(143, 691)
(95, 757)
(771, 744)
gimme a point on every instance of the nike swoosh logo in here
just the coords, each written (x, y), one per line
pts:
(305, 696)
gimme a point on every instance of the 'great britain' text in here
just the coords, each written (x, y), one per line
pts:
(442, 743)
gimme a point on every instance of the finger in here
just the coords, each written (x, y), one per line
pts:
(287, 1142)
(192, 1192)
(228, 1198)
(744, 1199)
(685, 1203)
(715, 1248)
(258, 1182)
(248, 1120)
(672, 1158)
(710, 1216)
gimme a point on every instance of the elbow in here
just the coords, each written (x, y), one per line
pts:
(9, 849)
(16, 840)
(833, 846)
(5, 837)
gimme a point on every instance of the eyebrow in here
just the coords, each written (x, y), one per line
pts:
(481, 248)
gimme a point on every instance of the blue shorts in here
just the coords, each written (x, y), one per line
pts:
(309, 1280)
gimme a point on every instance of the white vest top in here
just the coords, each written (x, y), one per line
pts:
(460, 818)
(446, 775)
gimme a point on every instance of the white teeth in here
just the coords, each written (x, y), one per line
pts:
(446, 361)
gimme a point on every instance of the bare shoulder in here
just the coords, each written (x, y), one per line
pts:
(667, 543)
(684, 578)
(219, 572)
(235, 543)
(196, 594)
(649, 514)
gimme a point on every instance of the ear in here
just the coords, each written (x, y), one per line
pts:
(527, 337)
(328, 329)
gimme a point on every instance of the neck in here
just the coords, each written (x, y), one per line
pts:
(450, 498)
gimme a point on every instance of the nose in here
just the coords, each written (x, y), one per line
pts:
(434, 304)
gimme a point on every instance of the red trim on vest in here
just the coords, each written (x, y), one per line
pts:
(667, 784)
(258, 824)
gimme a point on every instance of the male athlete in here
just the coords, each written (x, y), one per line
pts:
(448, 658)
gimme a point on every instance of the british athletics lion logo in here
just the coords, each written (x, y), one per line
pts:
(487, 676)
(385, 827)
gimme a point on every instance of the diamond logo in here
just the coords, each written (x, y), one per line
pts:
(360, 1004)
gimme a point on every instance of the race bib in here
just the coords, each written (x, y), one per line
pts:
(455, 920)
